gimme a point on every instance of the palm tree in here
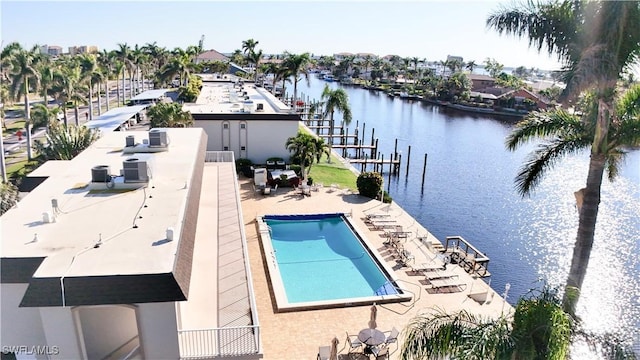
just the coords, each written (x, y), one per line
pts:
(88, 66)
(597, 41)
(254, 58)
(24, 69)
(66, 142)
(320, 148)
(169, 115)
(69, 87)
(297, 64)
(42, 115)
(303, 148)
(248, 46)
(470, 66)
(124, 55)
(538, 329)
(332, 101)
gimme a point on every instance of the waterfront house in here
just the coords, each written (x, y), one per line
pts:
(480, 82)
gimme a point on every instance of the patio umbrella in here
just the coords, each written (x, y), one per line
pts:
(372, 321)
(333, 354)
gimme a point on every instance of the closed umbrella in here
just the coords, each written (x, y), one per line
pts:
(333, 355)
(372, 321)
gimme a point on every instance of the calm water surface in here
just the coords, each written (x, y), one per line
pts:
(469, 191)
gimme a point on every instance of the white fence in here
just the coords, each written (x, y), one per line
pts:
(209, 343)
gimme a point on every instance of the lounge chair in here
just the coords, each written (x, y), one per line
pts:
(324, 352)
(451, 282)
(275, 188)
(405, 258)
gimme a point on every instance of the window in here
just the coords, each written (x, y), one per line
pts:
(243, 148)
(243, 126)
(225, 148)
(225, 126)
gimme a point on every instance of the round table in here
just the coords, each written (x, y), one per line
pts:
(371, 337)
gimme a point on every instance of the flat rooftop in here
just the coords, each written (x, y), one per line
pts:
(130, 225)
(229, 97)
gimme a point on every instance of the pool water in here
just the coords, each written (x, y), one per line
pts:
(321, 258)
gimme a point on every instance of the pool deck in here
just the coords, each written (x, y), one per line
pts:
(297, 335)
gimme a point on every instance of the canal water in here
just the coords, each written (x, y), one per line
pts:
(469, 191)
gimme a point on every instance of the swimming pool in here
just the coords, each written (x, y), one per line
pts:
(321, 261)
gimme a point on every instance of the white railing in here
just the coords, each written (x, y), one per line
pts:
(209, 343)
(219, 156)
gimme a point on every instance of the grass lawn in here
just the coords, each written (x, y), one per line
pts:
(21, 166)
(333, 173)
(14, 126)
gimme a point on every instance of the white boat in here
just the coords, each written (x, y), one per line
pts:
(328, 77)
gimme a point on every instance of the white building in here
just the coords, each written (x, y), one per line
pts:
(114, 255)
(243, 118)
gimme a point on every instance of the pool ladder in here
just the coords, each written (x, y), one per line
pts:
(273, 258)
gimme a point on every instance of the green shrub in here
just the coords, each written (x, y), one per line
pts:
(369, 184)
(386, 198)
(243, 162)
(9, 195)
(296, 168)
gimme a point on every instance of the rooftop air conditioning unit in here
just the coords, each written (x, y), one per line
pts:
(158, 138)
(100, 174)
(259, 107)
(135, 170)
(130, 141)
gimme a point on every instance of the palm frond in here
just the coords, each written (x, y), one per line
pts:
(543, 124)
(543, 158)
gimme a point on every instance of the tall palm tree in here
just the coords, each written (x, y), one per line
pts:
(330, 102)
(70, 87)
(470, 66)
(23, 70)
(88, 66)
(124, 55)
(597, 41)
(249, 45)
(254, 58)
(297, 64)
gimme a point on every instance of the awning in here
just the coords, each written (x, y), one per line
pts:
(113, 118)
(156, 94)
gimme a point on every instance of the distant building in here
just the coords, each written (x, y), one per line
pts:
(455, 58)
(211, 55)
(88, 49)
(243, 118)
(83, 49)
(479, 82)
(55, 50)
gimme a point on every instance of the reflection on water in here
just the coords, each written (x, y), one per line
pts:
(469, 191)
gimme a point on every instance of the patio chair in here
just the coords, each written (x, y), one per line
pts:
(275, 188)
(392, 338)
(324, 352)
(382, 353)
(354, 345)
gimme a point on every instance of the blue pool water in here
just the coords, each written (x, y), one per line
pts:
(320, 258)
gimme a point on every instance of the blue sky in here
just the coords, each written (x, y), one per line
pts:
(425, 29)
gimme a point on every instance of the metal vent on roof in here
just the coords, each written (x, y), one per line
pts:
(158, 138)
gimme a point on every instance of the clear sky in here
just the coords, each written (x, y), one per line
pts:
(424, 29)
